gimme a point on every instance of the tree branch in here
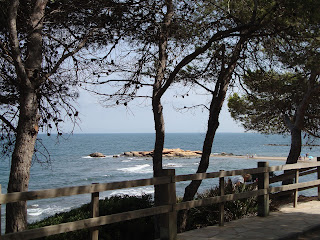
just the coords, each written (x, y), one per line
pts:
(8, 123)
(69, 54)
(218, 36)
(14, 41)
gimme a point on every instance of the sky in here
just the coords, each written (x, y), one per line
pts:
(138, 118)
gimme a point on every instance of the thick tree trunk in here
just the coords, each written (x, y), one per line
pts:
(295, 151)
(16, 213)
(29, 80)
(295, 148)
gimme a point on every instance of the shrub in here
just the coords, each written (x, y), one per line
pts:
(142, 228)
(209, 215)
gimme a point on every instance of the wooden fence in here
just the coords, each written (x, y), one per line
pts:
(168, 206)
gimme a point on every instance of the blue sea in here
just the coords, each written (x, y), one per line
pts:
(70, 164)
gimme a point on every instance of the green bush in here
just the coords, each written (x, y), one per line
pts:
(209, 215)
(142, 228)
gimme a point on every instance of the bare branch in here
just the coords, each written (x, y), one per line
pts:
(69, 54)
(186, 60)
(8, 123)
(201, 85)
(312, 134)
(14, 41)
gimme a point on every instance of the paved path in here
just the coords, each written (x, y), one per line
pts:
(288, 223)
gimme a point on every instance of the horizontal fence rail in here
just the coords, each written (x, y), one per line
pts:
(69, 191)
(169, 205)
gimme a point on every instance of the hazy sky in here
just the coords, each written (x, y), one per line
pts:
(139, 119)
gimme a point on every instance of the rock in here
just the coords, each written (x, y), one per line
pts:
(136, 154)
(116, 156)
(97, 154)
(146, 153)
(128, 154)
(170, 153)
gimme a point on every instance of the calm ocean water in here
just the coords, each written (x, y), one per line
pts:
(71, 166)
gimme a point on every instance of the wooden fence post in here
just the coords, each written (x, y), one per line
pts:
(168, 221)
(94, 232)
(296, 191)
(318, 172)
(263, 183)
(221, 205)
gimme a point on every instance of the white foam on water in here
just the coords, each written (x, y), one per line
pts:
(133, 191)
(145, 168)
(35, 210)
(126, 161)
(173, 165)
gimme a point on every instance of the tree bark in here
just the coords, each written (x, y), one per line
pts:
(29, 81)
(16, 213)
(295, 147)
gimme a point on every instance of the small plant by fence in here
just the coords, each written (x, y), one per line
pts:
(168, 206)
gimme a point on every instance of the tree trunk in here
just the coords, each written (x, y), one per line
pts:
(295, 151)
(29, 80)
(295, 148)
(159, 141)
(218, 98)
(157, 107)
(16, 213)
(213, 124)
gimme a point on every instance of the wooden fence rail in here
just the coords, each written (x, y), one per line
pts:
(168, 207)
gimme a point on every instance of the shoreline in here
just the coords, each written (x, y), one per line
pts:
(252, 157)
(261, 158)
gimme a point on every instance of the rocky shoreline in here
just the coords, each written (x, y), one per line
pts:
(179, 153)
(169, 153)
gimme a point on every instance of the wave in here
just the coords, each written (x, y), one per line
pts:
(133, 191)
(95, 178)
(145, 168)
(173, 165)
(35, 211)
(126, 161)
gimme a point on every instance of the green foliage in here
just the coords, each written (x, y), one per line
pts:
(209, 215)
(142, 228)
(269, 98)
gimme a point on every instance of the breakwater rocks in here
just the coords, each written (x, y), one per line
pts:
(169, 153)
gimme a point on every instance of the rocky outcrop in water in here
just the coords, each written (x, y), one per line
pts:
(97, 154)
(169, 153)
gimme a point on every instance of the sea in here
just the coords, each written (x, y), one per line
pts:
(70, 165)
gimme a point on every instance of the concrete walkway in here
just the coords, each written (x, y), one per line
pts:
(288, 223)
